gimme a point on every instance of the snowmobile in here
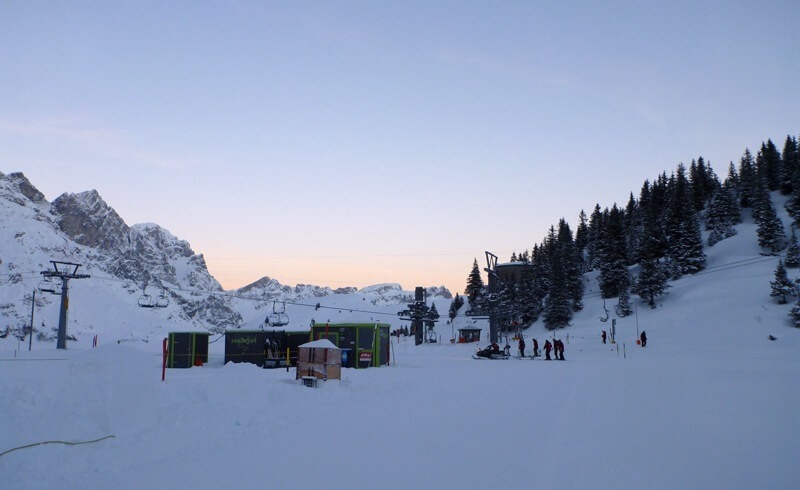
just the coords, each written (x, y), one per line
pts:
(491, 353)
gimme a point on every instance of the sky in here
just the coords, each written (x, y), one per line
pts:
(354, 143)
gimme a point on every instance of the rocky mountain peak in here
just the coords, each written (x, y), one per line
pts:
(87, 219)
(22, 185)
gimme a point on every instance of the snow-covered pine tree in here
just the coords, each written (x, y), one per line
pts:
(474, 287)
(571, 264)
(530, 303)
(455, 305)
(685, 245)
(790, 164)
(632, 229)
(794, 314)
(792, 252)
(781, 286)
(557, 308)
(612, 253)
(624, 307)
(594, 231)
(582, 237)
(748, 180)
(722, 214)
(768, 165)
(770, 229)
(703, 182)
(652, 281)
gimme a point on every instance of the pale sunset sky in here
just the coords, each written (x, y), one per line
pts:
(358, 142)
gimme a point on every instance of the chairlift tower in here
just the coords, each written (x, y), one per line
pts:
(65, 271)
(489, 310)
(494, 297)
(419, 314)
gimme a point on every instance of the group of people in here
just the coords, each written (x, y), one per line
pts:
(557, 346)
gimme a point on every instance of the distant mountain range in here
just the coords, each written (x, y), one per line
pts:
(126, 263)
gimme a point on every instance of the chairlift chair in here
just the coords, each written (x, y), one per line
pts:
(146, 301)
(278, 317)
(162, 301)
(48, 286)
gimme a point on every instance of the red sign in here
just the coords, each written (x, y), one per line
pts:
(365, 356)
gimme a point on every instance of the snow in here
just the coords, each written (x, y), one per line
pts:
(320, 344)
(709, 403)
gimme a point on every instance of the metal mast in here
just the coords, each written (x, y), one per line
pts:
(65, 271)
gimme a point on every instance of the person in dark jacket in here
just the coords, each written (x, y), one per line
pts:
(561, 350)
(643, 338)
(604, 336)
(521, 346)
(547, 347)
(535, 348)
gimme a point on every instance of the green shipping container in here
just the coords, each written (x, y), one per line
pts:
(363, 344)
(187, 349)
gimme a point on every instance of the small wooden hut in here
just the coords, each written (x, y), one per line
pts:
(321, 359)
(469, 334)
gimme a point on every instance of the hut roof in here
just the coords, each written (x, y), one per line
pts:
(320, 344)
(469, 328)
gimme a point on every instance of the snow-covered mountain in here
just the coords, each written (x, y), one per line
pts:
(127, 262)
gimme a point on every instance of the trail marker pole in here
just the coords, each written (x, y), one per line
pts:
(164, 360)
(33, 305)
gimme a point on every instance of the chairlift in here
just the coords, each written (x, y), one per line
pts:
(162, 301)
(606, 311)
(146, 301)
(48, 286)
(278, 317)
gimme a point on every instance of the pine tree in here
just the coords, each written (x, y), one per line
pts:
(557, 310)
(474, 289)
(792, 252)
(722, 214)
(594, 230)
(612, 253)
(631, 228)
(794, 314)
(748, 180)
(624, 307)
(652, 281)
(683, 229)
(571, 263)
(790, 165)
(768, 165)
(455, 305)
(770, 229)
(781, 286)
(530, 302)
(582, 236)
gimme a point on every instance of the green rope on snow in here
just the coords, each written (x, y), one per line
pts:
(68, 443)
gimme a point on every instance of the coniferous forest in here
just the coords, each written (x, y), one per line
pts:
(636, 249)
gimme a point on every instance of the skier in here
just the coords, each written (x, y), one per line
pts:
(604, 336)
(535, 348)
(521, 346)
(560, 350)
(643, 338)
(547, 347)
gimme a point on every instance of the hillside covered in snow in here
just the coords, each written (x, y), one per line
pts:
(710, 402)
